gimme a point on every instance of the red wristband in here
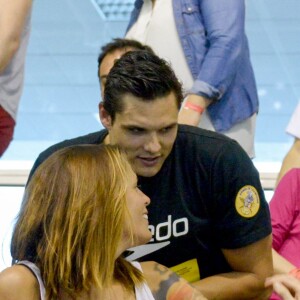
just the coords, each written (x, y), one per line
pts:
(295, 273)
(195, 107)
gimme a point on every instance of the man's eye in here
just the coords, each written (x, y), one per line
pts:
(136, 130)
(166, 129)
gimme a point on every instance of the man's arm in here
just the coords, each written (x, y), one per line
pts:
(166, 285)
(13, 14)
(251, 264)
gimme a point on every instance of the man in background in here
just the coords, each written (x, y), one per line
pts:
(14, 35)
(292, 158)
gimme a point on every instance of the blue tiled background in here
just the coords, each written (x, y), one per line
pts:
(61, 91)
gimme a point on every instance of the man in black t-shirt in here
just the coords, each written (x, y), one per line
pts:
(208, 216)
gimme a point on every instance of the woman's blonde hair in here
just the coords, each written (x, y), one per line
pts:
(72, 219)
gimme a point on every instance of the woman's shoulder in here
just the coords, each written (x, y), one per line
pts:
(18, 282)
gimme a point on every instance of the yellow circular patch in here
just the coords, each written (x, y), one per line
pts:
(247, 201)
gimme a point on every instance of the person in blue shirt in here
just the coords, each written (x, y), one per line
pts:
(206, 44)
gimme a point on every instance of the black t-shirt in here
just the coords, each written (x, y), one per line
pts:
(207, 196)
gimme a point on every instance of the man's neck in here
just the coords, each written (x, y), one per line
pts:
(106, 140)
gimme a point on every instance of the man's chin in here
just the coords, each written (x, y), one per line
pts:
(146, 171)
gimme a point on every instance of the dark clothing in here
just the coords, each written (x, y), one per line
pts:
(7, 126)
(207, 196)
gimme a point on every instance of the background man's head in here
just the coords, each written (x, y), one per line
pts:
(142, 98)
(113, 51)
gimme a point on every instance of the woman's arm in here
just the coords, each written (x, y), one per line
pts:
(167, 285)
(286, 286)
(281, 265)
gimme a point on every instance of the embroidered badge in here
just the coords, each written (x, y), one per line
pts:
(247, 201)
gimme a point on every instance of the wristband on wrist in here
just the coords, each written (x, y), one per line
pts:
(194, 107)
(295, 273)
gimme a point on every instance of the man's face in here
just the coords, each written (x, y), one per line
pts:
(106, 65)
(146, 130)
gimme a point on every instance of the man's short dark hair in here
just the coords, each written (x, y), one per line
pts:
(143, 75)
(117, 44)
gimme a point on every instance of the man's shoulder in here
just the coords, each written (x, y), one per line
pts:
(196, 144)
(92, 138)
(199, 135)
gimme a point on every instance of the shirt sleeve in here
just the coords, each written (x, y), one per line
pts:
(283, 207)
(224, 22)
(241, 213)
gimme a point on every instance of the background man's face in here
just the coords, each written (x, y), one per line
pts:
(146, 130)
(106, 65)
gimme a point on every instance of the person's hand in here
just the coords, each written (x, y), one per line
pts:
(192, 109)
(286, 286)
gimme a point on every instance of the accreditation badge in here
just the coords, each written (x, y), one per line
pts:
(189, 270)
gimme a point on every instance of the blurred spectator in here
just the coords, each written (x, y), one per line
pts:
(14, 35)
(285, 217)
(112, 51)
(292, 158)
(206, 44)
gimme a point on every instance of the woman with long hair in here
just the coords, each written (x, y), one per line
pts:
(81, 210)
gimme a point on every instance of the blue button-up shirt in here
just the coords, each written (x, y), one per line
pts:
(212, 34)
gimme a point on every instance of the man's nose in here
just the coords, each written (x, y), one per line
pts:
(152, 144)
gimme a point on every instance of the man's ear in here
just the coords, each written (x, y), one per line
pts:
(105, 117)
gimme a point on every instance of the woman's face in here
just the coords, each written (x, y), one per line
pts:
(137, 202)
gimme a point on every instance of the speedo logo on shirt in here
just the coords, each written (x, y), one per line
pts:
(163, 231)
(160, 235)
